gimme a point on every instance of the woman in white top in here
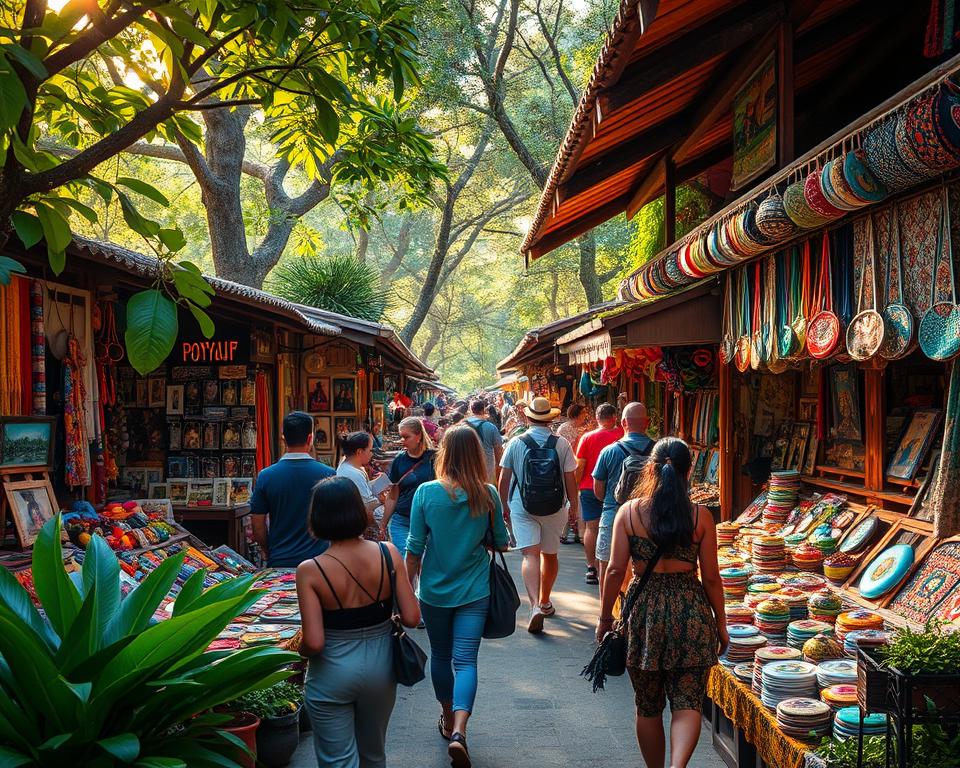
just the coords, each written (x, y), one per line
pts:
(357, 450)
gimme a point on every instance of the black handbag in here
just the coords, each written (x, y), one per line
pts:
(504, 598)
(409, 659)
(610, 658)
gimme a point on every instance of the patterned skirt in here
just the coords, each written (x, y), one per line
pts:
(672, 625)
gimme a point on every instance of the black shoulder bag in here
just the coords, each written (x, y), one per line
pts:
(504, 598)
(409, 660)
(610, 658)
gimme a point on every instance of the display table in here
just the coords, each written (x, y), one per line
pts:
(231, 522)
(754, 723)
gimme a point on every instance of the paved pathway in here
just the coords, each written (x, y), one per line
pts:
(533, 710)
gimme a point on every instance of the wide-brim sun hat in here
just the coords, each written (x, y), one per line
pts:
(539, 410)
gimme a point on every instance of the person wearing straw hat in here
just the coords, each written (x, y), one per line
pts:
(537, 477)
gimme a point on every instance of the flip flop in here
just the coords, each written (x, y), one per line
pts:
(443, 734)
(457, 751)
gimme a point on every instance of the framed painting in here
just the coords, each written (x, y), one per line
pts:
(231, 436)
(174, 435)
(211, 436)
(325, 458)
(27, 441)
(209, 467)
(845, 396)
(211, 392)
(32, 503)
(200, 493)
(344, 395)
(177, 490)
(193, 394)
(322, 434)
(157, 392)
(136, 480)
(248, 465)
(263, 348)
(221, 492)
(157, 491)
(248, 438)
(755, 124)
(318, 395)
(230, 393)
(191, 435)
(241, 489)
(798, 446)
(231, 465)
(378, 414)
(344, 425)
(175, 400)
(914, 444)
(248, 392)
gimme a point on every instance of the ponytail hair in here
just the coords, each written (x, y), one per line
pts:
(415, 424)
(663, 489)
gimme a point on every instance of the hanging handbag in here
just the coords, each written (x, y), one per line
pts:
(409, 660)
(504, 598)
(865, 332)
(802, 313)
(823, 331)
(610, 658)
(742, 355)
(899, 337)
(757, 334)
(940, 324)
(727, 346)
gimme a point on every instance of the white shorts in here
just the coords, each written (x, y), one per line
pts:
(530, 530)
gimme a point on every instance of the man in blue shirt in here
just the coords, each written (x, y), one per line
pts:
(606, 474)
(283, 493)
(490, 438)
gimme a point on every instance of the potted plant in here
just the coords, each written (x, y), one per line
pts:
(278, 708)
(96, 681)
(925, 667)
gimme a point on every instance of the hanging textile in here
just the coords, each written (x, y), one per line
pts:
(264, 457)
(76, 469)
(12, 319)
(38, 347)
(23, 355)
(945, 493)
(5, 341)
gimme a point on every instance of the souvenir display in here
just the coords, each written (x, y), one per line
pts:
(782, 680)
(858, 619)
(798, 632)
(899, 328)
(859, 536)
(866, 331)
(804, 718)
(796, 600)
(771, 619)
(744, 672)
(939, 331)
(807, 557)
(781, 497)
(734, 583)
(846, 724)
(914, 444)
(821, 648)
(769, 554)
(824, 606)
(838, 566)
(745, 639)
(931, 586)
(839, 696)
(737, 613)
(767, 655)
(886, 571)
(837, 672)
(753, 510)
(864, 638)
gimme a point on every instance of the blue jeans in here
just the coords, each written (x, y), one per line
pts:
(455, 638)
(399, 530)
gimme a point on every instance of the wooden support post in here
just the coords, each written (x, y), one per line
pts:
(785, 91)
(726, 441)
(669, 202)
(874, 430)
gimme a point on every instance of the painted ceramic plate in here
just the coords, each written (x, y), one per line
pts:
(742, 630)
(790, 670)
(805, 522)
(859, 535)
(886, 571)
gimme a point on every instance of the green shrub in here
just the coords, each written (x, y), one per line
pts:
(932, 651)
(276, 701)
(99, 684)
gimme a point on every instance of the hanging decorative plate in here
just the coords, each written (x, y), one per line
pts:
(909, 152)
(886, 571)
(726, 241)
(835, 187)
(898, 324)
(686, 263)
(772, 220)
(698, 255)
(939, 332)
(948, 109)
(883, 158)
(865, 332)
(859, 535)
(799, 210)
(862, 182)
(813, 194)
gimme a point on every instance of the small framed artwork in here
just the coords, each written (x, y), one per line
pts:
(248, 392)
(177, 466)
(221, 492)
(32, 503)
(389, 385)
(231, 465)
(209, 467)
(798, 445)
(157, 491)
(142, 397)
(844, 388)
(200, 493)
(262, 346)
(27, 441)
(192, 431)
(230, 393)
(808, 409)
(810, 460)
(175, 400)
(193, 394)
(378, 414)
(325, 458)
(322, 436)
(215, 412)
(230, 438)
(241, 489)
(232, 372)
(344, 425)
(781, 446)
(914, 444)
(248, 465)
(211, 392)
(344, 395)
(157, 392)
(318, 395)
(248, 438)
(160, 506)
(175, 435)
(211, 436)
(177, 490)
(136, 480)
(154, 474)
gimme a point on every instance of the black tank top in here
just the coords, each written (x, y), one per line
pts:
(369, 615)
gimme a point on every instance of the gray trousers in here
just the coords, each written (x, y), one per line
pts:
(350, 692)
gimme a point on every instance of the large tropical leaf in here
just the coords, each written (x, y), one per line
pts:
(151, 329)
(15, 598)
(61, 601)
(100, 568)
(137, 608)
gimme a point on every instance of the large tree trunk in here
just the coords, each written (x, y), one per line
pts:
(588, 269)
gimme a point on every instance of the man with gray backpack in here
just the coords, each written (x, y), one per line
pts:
(617, 472)
(537, 479)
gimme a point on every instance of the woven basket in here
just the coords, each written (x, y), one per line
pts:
(799, 210)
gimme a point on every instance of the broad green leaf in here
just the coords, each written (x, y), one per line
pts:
(10, 758)
(54, 742)
(56, 231)
(159, 762)
(78, 643)
(327, 120)
(207, 328)
(16, 599)
(135, 220)
(172, 238)
(138, 607)
(124, 746)
(13, 98)
(84, 210)
(27, 227)
(8, 267)
(60, 599)
(151, 329)
(100, 568)
(27, 60)
(192, 589)
(142, 188)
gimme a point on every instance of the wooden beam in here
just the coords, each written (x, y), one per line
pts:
(669, 202)
(874, 427)
(648, 189)
(714, 37)
(622, 156)
(568, 232)
(786, 121)
(726, 431)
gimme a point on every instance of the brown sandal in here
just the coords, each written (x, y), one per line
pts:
(443, 734)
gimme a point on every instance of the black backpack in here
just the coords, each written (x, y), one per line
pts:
(541, 491)
(633, 463)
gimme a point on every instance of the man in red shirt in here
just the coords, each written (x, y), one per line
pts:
(588, 450)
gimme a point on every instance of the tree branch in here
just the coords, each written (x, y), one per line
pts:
(549, 36)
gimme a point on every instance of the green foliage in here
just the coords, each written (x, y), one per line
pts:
(98, 684)
(276, 701)
(931, 747)
(694, 205)
(336, 283)
(842, 753)
(930, 651)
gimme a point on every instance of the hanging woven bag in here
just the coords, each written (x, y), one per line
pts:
(865, 332)
(823, 330)
(940, 325)
(899, 334)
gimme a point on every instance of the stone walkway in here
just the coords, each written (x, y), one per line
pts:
(533, 710)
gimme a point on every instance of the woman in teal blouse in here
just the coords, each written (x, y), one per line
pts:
(449, 522)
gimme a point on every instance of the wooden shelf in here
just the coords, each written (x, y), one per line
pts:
(835, 485)
(840, 471)
(904, 483)
(894, 496)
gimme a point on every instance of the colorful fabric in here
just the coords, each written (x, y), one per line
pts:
(23, 353)
(38, 346)
(931, 584)
(263, 422)
(684, 687)
(76, 469)
(945, 493)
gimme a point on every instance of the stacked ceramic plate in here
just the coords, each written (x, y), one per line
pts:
(781, 498)
(858, 619)
(804, 719)
(824, 606)
(752, 599)
(840, 696)
(782, 680)
(846, 723)
(807, 558)
(807, 582)
(768, 655)
(825, 541)
(836, 672)
(822, 648)
(864, 638)
(798, 632)
(734, 583)
(763, 588)
(794, 540)
(726, 533)
(769, 555)
(796, 600)
(771, 618)
(744, 641)
(744, 673)
(737, 613)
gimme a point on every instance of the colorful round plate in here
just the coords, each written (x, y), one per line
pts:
(886, 571)
(859, 535)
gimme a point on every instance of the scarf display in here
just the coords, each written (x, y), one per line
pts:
(11, 375)
(264, 456)
(76, 466)
(38, 351)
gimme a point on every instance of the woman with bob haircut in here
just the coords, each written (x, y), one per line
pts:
(346, 604)
(678, 624)
(453, 521)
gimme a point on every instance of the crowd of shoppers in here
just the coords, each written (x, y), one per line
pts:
(475, 477)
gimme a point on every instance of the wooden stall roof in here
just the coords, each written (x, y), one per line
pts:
(664, 80)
